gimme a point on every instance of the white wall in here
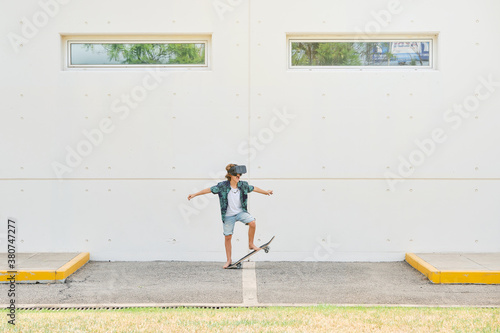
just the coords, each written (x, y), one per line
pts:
(327, 162)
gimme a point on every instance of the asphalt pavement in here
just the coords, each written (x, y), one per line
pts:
(257, 284)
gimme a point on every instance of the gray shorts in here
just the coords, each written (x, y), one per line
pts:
(229, 221)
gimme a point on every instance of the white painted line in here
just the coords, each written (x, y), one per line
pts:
(249, 280)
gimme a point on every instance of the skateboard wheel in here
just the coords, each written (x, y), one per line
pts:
(239, 265)
(267, 249)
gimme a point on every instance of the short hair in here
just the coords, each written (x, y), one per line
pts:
(228, 167)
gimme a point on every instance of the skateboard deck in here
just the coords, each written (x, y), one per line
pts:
(237, 264)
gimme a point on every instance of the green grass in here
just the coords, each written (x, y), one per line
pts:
(273, 319)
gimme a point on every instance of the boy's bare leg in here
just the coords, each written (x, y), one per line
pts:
(227, 243)
(251, 234)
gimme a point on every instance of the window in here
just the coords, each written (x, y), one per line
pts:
(109, 53)
(381, 53)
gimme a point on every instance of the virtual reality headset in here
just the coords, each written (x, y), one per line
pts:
(238, 169)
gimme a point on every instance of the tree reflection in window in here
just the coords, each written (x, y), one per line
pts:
(337, 53)
(138, 54)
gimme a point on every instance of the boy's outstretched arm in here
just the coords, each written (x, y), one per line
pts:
(261, 191)
(205, 191)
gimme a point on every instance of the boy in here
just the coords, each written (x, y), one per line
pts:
(233, 196)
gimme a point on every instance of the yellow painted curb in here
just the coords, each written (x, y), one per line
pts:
(479, 277)
(436, 276)
(423, 267)
(49, 276)
(72, 266)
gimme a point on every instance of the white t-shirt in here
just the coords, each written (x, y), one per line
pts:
(233, 202)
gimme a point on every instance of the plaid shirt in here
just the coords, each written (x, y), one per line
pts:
(223, 188)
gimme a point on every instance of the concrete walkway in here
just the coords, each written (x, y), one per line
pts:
(477, 268)
(41, 267)
(463, 261)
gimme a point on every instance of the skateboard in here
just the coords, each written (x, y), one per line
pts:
(237, 264)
